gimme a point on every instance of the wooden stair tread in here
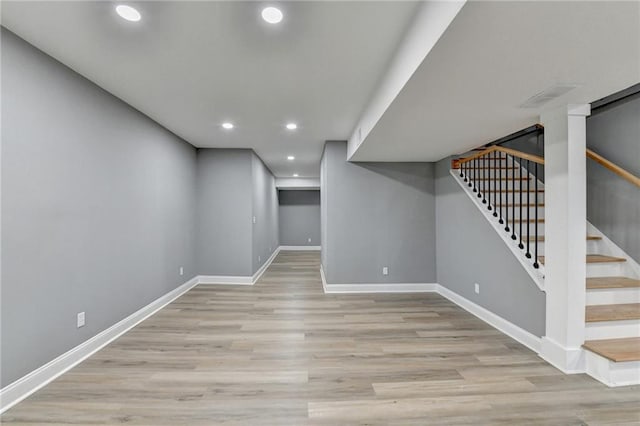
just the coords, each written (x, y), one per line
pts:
(611, 282)
(596, 258)
(600, 258)
(541, 238)
(617, 350)
(616, 312)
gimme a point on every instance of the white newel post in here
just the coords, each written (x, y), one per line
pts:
(565, 235)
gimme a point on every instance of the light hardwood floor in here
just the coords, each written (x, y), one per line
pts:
(283, 353)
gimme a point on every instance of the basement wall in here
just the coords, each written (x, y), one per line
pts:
(97, 210)
(376, 215)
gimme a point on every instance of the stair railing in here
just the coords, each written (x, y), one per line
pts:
(613, 167)
(492, 175)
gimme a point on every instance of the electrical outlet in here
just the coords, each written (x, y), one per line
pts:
(385, 270)
(477, 288)
(182, 270)
(254, 219)
(308, 240)
(80, 322)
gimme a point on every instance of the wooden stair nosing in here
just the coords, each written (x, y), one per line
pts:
(617, 350)
(614, 312)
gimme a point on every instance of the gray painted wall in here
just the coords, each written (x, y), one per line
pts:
(470, 251)
(378, 214)
(265, 210)
(224, 210)
(613, 204)
(299, 214)
(96, 212)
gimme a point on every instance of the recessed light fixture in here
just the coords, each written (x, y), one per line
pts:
(292, 126)
(227, 125)
(127, 12)
(295, 175)
(272, 15)
(291, 157)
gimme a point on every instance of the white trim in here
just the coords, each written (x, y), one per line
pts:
(536, 274)
(238, 279)
(26, 385)
(301, 248)
(264, 267)
(225, 280)
(526, 338)
(376, 288)
(567, 360)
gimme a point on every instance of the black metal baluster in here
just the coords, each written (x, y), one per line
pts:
(513, 199)
(470, 171)
(506, 199)
(475, 174)
(528, 254)
(520, 185)
(484, 179)
(499, 192)
(494, 204)
(535, 176)
(479, 179)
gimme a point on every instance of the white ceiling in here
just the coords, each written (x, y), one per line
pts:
(192, 65)
(492, 58)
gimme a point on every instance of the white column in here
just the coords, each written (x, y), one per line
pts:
(565, 235)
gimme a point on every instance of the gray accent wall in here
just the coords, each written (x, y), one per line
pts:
(377, 214)
(97, 210)
(265, 210)
(224, 210)
(613, 204)
(470, 251)
(299, 214)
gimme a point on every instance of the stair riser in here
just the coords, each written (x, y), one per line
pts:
(484, 186)
(612, 329)
(613, 296)
(606, 269)
(612, 373)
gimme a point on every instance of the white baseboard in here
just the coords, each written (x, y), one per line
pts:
(301, 248)
(225, 279)
(567, 360)
(238, 279)
(25, 386)
(376, 288)
(529, 340)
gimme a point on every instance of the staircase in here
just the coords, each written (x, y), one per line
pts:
(504, 184)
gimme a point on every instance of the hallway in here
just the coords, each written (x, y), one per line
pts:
(282, 352)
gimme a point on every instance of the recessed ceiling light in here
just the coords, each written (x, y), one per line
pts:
(291, 157)
(295, 175)
(272, 15)
(292, 126)
(227, 125)
(128, 13)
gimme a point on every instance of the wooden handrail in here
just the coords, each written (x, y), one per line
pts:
(512, 152)
(613, 167)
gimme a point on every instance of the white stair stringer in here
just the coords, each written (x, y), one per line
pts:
(536, 274)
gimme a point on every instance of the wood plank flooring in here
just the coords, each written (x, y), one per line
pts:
(283, 353)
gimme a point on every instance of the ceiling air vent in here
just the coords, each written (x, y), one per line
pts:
(545, 96)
